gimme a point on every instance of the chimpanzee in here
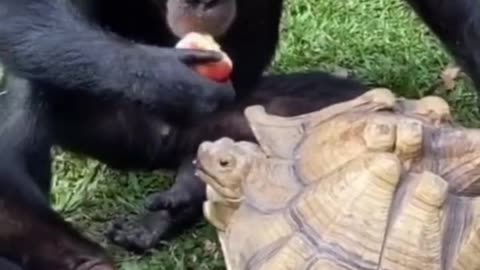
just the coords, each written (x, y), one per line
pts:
(102, 79)
(89, 79)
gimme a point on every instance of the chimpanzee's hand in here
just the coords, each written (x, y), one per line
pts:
(169, 85)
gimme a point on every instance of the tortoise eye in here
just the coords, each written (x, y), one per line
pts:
(226, 161)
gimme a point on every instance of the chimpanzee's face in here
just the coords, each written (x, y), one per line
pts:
(206, 16)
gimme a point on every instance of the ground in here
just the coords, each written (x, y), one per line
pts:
(380, 41)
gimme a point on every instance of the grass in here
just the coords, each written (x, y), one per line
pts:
(381, 41)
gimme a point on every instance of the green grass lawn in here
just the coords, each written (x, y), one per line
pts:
(380, 41)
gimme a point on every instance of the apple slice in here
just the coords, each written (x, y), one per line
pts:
(219, 71)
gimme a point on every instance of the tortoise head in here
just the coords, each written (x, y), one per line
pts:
(223, 165)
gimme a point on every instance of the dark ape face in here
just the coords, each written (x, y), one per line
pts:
(207, 16)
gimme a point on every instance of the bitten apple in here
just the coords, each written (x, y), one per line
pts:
(218, 71)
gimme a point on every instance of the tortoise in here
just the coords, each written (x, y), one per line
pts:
(376, 182)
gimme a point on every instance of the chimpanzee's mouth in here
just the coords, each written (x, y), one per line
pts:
(211, 17)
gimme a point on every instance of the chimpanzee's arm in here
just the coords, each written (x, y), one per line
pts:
(34, 236)
(53, 43)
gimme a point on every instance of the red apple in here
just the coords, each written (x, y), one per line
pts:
(218, 71)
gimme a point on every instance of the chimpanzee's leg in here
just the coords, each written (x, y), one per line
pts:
(175, 210)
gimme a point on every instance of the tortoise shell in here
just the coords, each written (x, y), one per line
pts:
(377, 182)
